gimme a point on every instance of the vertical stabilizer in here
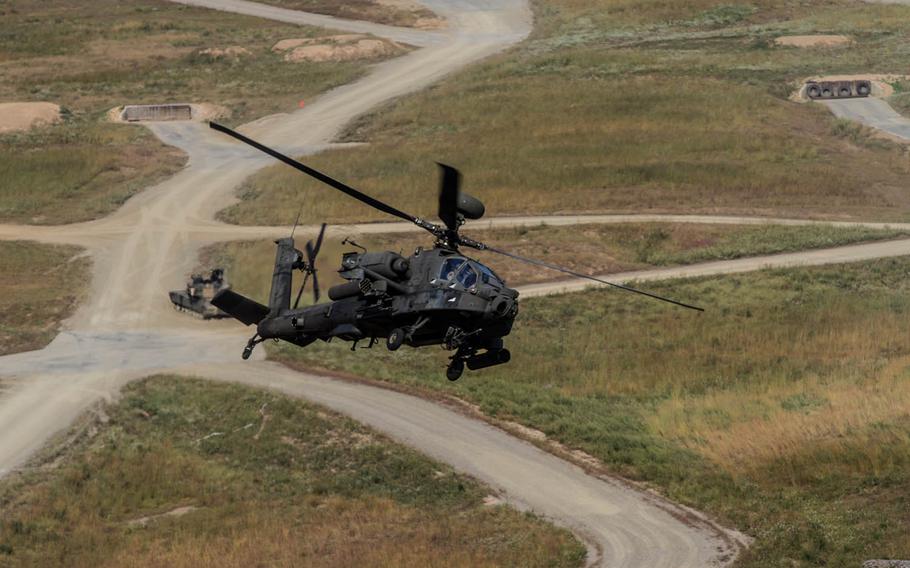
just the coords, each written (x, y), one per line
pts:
(285, 259)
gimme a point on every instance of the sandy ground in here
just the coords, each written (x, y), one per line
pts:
(127, 329)
(24, 116)
(812, 41)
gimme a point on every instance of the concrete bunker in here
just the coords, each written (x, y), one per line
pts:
(160, 112)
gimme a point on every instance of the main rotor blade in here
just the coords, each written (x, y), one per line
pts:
(481, 246)
(449, 182)
(342, 187)
(316, 293)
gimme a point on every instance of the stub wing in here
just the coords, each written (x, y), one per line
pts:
(240, 307)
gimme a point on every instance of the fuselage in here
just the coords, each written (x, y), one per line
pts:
(434, 293)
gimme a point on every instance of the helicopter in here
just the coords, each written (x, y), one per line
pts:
(436, 296)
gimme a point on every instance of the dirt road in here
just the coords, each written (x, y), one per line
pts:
(127, 328)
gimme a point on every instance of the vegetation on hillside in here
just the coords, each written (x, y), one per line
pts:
(615, 105)
(89, 57)
(183, 472)
(782, 409)
(380, 11)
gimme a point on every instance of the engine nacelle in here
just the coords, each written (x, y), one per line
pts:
(388, 264)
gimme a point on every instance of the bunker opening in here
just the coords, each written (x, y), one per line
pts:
(156, 113)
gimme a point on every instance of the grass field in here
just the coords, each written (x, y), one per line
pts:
(621, 106)
(595, 249)
(89, 57)
(262, 480)
(40, 286)
(782, 409)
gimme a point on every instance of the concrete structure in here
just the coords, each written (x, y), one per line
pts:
(134, 113)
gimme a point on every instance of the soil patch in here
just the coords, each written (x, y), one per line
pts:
(346, 47)
(231, 52)
(813, 41)
(25, 116)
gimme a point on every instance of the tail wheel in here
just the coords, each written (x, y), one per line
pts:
(456, 368)
(395, 339)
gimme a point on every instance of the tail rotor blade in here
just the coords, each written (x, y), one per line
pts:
(449, 182)
(318, 244)
(315, 287)
(306, 276)
(311, 252)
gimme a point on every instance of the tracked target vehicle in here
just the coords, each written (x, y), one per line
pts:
(197, 297)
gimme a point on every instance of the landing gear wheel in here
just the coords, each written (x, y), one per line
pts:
(395, 339)
(456, 368)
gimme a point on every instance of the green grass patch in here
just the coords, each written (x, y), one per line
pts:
(40, 286)
(261, 477)
(78, 170)
(673, 107)
(782, 409)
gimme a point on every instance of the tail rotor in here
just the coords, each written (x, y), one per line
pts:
(308, 267)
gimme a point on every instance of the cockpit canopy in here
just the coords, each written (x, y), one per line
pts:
(468, 272)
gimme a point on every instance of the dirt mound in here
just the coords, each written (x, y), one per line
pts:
(813, 41)
(231, 52)
(24, 116)
(347, 47)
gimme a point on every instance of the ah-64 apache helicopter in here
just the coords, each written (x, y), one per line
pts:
(436, 296)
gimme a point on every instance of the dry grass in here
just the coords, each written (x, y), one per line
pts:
(782, 409)
(302, 487)
(40, 286)
(687, 112)
(394, 12)
(89, 57)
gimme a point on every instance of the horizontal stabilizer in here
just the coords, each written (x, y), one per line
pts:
(240, 307)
